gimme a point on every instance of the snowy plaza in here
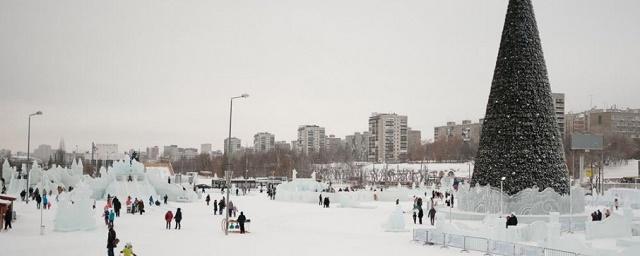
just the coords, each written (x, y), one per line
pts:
(529, 178)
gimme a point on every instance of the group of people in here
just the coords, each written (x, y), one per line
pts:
(418, 212)
(324, 202)
(169, 216)
(271, 192)
(42, 199)
(218, 209)
(512, 220)
(135, 206)
(597, 215)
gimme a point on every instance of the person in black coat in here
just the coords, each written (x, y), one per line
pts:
(320, 199)
(165, 198)
(326, 202)
(178, 218)
(512, 220)
(241, 220)
(7, 219)
(420, 215)
(112, 241)
(116, 206)
(215, 207)
(208, 199)
(221, 206)
(432, 215)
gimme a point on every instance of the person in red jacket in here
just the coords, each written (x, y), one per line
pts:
(168, 217)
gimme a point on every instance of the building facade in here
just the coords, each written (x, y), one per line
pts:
(558, 107)
(467, 131)
(358, 145)
(282, 145)
(236, 145)
(205, 148)
(333, 143)
(264, 142)
(311, 138)
(415, 141)
(107, 152)
(389, 137)
(153, 153)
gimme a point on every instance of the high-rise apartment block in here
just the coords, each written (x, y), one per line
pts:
(389, 137)
(467, 131)
(263, 142)
(311, 138)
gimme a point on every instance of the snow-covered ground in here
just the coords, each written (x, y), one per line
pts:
(277, 228)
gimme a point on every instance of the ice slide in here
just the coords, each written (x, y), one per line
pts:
(141, 189)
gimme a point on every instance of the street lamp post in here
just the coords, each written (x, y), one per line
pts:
(29, 148)
(502, 194)
(229, 171)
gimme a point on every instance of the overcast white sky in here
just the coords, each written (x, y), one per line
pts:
(144, 73)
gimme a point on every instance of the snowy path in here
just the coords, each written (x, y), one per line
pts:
(277, 228)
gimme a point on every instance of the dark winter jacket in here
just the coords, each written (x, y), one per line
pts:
(242, 218)
(420, 213)
(432, 213)
(111, 239)
(178, 216)
(512, 221)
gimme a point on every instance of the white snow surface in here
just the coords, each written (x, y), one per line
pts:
(277, 228)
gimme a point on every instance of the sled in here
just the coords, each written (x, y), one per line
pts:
(234, 226)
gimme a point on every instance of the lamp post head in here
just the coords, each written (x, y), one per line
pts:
(36, 113)
(39, 113)
(503, 178)
(245, 95)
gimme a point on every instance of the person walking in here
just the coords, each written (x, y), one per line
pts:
(141, 207)
(8, 217)
(45, 201)
(215, 207)
(165, 198)
(432, 216)
(112, 241)
(178, 218)
(420, 215)
(150, 200)
(208, 199)
(168, 217)
(326, 202)
(112, 217)
(414, 216)
(116, 206)
(38, 199)
(230, 208)
(221, 206)
(320, 199)
(241, 220)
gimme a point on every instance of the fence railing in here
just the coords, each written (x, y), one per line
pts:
(488, 246)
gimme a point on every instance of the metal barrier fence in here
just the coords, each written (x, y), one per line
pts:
(488, 246)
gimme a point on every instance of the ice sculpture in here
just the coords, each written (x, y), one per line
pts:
(75, 212)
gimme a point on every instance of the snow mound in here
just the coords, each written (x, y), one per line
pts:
(396, 222)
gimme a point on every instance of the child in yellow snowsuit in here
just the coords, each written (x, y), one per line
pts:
(128, 250)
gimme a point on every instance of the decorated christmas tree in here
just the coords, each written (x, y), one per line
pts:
(520, 140)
